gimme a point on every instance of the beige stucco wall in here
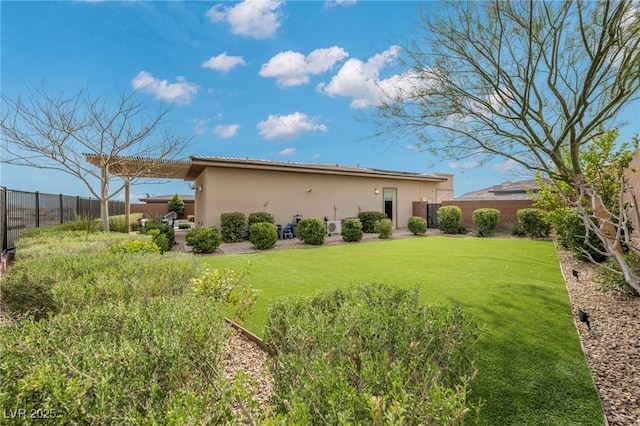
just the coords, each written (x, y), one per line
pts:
(285, 194)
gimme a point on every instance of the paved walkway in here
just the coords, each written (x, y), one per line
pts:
(247, 247)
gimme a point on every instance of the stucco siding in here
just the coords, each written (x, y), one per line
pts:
(285, 194)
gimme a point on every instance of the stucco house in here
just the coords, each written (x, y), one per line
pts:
(286, 189)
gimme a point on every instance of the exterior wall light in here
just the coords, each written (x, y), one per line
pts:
(308, 189)
(376, 191)
(200, 188)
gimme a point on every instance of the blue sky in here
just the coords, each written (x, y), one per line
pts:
(284, 81)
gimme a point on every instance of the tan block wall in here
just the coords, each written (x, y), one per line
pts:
(159, 209)
(285, 194)
(508, 209)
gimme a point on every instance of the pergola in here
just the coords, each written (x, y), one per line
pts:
(129, 168)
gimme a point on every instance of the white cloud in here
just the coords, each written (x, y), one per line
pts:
(464, 164)
(289, 127)
(361, 80)
(287, 151)
(179, 93)
(335, 3)
(226, 130)
(293, 68)
(201, 125)
(508, 166)
(252, 18)
(223, 62)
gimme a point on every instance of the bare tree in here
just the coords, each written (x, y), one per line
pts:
(59, 132)
(530, 81)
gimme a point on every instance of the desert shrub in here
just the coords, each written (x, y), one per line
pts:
(533, 222)
(363, 355)
(159, 239)
(260, 217)
(263, 235)
(312, 231)
(609, 278)
(384, 228)
(156, 223)
(486, 221)
(48, 285)
(84, 223)
(150, 362)
(176, 204)
(232, 227)
(352, 230)
(204, 239)
(228, 287)
(135, 246)
(449, 218)
(369, 218)
(515, 229)
(417, 225)
(572, 234)
(118, 224)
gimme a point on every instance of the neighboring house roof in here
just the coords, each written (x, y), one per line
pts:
(198, 164)
(504, 191)
(165, 199)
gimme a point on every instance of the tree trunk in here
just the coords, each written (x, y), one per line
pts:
(104, 198)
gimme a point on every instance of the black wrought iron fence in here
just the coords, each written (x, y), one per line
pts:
(21, 210)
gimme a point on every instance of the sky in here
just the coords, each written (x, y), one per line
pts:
(265, 79)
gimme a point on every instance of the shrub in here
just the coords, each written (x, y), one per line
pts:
(204, 239)
(486, 221)
(384, 228)
(417, 225)
(135, 246)
(84, 223)
(263, 235)
(156, 223)
(312, 231)
(151, 362)
(160, 240)
(369, 218)
(232, 227)
(352, 230)
(184, 226)
(515, 229)
(533, 222)
(609, 277)
(365, 354)
(572, 234)
(449, 218)
(176, 205)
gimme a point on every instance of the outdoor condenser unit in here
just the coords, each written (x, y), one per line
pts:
(334, 227)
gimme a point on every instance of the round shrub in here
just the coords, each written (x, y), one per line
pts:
(263, 235)
(533, 223)
(417, 225)
(609, 276)
(368, 220)
(135, 246)
(486, 221)
(312, 231)
(384, 228)
(449, 218)
(203, 240)
(232, 227)
(156, 223)
(352, 230)
(160, 239)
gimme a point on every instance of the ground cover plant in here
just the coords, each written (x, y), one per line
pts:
(531, 370)
(369, 354)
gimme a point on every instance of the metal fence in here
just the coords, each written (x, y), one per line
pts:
(21, 210)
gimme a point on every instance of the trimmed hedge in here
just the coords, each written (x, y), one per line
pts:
(369, 218)
(533, 223)
(384, 228)
(263, 235)
(449, 218)
(352, 230)
(486, 221)
(312, 231)
(203, 240)
(417, 225)
(232, 227)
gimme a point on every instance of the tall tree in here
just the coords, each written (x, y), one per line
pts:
(531, 81)
(59, 132)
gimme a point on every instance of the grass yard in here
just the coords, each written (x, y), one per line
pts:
(531, 367)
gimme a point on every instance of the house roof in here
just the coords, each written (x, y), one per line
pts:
(143, 167)
(198, 164)
(166, 198)
(504, 191)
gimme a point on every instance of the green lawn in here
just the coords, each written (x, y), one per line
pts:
(531, 367)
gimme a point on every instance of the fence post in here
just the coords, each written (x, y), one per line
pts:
(61, 210)
(37, 195)
(5, 220)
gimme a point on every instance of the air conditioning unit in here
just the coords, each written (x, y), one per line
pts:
(334, 227)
